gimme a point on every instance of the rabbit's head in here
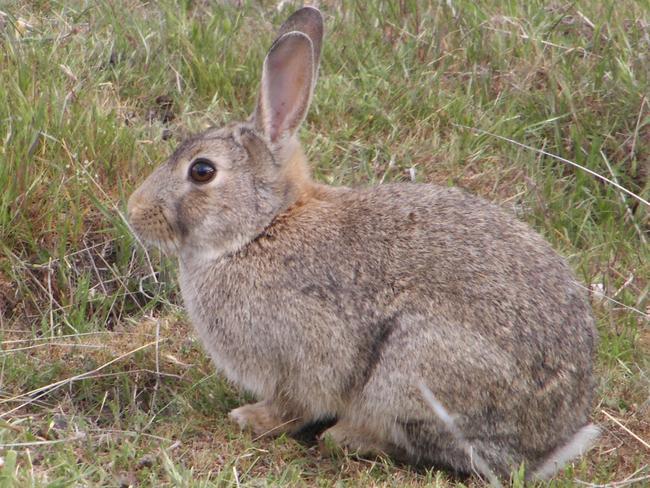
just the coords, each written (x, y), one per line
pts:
(222, 187)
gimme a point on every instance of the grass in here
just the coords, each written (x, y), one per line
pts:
(102, 382)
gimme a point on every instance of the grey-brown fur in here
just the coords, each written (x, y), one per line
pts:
(336, 303)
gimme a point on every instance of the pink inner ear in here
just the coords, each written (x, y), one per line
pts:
(288, 85)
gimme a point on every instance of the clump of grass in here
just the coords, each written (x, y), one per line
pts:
(101, 380)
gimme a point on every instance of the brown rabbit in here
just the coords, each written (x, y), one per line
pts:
(340, 303)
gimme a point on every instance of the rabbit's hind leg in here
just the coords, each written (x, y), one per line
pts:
(265, 420)
(428, 443)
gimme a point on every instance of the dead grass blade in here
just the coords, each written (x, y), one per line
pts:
(44, 390)
(620, 424)
(559, 158)
(481, 466)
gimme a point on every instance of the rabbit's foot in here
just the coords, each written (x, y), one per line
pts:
(263, 420)
(351, 439)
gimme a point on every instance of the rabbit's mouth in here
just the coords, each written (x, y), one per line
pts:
(153, 228)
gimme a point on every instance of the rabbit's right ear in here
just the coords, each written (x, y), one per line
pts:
(288, 76)
(309, 21)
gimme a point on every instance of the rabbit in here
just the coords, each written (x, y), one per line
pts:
(339, 303)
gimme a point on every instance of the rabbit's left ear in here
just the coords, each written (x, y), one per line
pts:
(289, 75)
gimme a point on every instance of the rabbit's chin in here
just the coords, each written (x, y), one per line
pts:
(161, 238)
(168, 247)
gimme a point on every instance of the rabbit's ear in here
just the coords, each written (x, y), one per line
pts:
(287, 82)
(289, 75)
(309, 21)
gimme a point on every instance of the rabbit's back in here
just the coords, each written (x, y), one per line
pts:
(425, 248)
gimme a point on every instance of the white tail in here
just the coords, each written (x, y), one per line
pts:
(580, 443)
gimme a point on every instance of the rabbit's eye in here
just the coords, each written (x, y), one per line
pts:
(202, 171)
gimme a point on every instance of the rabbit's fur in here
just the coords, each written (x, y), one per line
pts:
(332, 302)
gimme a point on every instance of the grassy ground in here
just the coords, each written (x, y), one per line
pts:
(101, 379)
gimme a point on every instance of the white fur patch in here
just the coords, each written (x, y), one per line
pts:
(580, 443)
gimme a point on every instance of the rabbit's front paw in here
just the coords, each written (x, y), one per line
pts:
(351, 439)
(262, 420)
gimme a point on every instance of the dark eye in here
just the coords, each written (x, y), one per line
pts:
(202, 170)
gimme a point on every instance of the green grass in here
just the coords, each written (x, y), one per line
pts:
(93, 95)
